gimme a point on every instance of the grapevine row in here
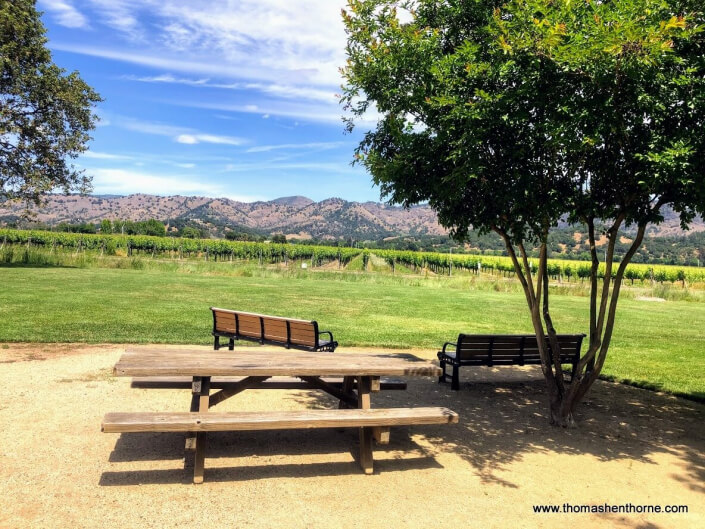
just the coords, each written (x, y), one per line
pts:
(209, 249)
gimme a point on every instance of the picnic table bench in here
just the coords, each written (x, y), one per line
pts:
(290, 332)
(361, 375)
(502, 349)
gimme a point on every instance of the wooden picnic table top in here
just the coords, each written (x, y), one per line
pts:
(200, 362)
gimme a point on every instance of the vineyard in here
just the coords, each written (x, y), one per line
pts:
(270, 253)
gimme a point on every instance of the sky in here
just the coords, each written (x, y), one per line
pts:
(227, 98)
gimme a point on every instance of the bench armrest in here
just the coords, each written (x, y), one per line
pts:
(330, 334)
(454, 344)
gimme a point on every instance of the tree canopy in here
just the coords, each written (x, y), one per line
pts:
(508, 116)
(45, 113)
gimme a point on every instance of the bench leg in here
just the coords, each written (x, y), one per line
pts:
(364, 385)
(455, 383)
(231, 344)
(216, 343)
(442, 378)
(381, 434)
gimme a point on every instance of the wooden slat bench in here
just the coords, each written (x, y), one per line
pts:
(498, 350)
(386, 384)
(292, 333)
(277, 420)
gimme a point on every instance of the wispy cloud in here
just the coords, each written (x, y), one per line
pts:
(183, 135)
(104, 156)
(277, 90)
(282, 50)
(325, 167)
(193, 139)
(297, 146)
(64, 13)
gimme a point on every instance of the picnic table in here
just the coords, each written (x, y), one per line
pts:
(361, 376)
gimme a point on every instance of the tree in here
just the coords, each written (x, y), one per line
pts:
(106, 226)
(279, 238)
(508, 116)
(45, 114)
(189, 232)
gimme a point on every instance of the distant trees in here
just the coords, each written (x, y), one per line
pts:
(189, 232)
(128, 227)
(279, 238)
(83, 227)
(234, 235)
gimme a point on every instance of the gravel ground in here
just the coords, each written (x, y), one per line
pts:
(58, 470)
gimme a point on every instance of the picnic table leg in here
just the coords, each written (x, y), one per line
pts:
(364, 385)
(203, 402)
(347, 387)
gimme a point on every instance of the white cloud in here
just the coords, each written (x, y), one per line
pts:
(178, 134)
(187, 139)
(297, 146)
(282, 49)
(104, 156)
(65, 13)
(146, 127)
(125, 181)
(185, 165)
(168, 78)
(192, 139)
(277, 90)
(330, 114)
(326, 167)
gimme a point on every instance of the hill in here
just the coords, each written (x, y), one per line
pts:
(298, 216)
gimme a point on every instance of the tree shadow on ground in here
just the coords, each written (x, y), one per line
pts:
(504, 416)
(502, 419)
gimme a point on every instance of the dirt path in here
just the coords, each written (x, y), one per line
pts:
(58, 470)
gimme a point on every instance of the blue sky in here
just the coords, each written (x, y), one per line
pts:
(232, 99)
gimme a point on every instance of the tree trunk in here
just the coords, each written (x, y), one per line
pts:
(564, 396)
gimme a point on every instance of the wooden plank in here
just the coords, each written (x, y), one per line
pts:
(386, 384)
(274, 420)
(234, 389)
(317, 383)
(256, 315)
(199, 362)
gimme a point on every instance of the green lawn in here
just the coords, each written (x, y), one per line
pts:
(659, 345)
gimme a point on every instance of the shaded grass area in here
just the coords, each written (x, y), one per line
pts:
(657, 345)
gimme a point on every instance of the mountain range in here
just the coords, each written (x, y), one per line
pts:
(296, 217)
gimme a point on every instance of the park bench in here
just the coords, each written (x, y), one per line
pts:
(292, 333)
(283, 331)
(499, 350)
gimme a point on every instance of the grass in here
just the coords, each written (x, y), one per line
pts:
(656, 345)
